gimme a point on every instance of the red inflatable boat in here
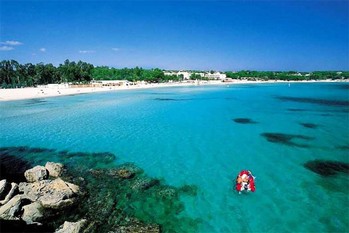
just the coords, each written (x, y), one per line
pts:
(245, 181)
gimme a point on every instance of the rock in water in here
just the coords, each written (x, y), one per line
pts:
(13, 191)
(5, 187)
(54, 169)
(125, 174)
(71, 227)
(139, 227)
(53, 194)
(11, 210)
(37, 173)
(33, 213)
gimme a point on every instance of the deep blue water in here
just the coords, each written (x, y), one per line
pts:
(187, 135)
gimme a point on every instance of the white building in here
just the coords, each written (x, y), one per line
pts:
(216, 75)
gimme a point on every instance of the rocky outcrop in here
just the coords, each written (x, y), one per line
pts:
(54, 194)
(33, 213)
(71, 227)
(4, 188)
(11, 210)
(54, 169)
(13, 191)
(37, 173)
(38, 199)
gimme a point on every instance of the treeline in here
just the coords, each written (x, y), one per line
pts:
(15, 75)
(288, 75)
(132, 74)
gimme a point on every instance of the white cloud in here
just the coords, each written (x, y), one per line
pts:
(87, 51)
(12, 42)
(115, 49)
(6, 48)
(42, 50)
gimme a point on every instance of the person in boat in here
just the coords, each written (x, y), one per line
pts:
(245, 182)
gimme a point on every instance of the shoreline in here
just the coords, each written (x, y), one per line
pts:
(47, 92)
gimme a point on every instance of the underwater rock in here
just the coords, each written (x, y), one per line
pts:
(189, 190)
(37, 173)
(54, 169)
(144, 183)
(33, 213)
(126, 174)
(309, 125)
(327, 168)
(167, 192)
(286, 139)
(71, 227)
(131, 167)
(11, 210)
(244, 121)
(13, 191)
(139, 227)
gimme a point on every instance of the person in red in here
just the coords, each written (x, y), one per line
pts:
(245, 181)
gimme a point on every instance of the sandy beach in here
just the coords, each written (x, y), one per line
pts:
(45, 92)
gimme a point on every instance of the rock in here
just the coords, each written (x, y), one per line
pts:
(13, 192)
(138, 227)
(5, 187)
(167, 192)
(126, 174)
(33, 213)
(54, 169)
(37, 173)
(144, 183)
(54, 194)
(71, 227)
(11, 210)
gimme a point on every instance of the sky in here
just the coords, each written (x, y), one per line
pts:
(226, 35)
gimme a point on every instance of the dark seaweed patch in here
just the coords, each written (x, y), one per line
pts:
(326, 102)
(309, 125)
(342, 147)
(35, 101)
(327, 168)
(244, 121)
(171, 99)
(296, 109)
(286, 139)
(343, 86)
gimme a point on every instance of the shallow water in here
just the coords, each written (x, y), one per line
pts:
(190, 136)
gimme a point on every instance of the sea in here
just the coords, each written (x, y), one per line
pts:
(293, 137)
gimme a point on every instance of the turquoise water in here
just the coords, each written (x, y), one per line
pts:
(187, 135)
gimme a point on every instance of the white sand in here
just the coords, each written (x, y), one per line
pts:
(44, 92)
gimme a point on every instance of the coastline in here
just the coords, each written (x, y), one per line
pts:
(46, 92)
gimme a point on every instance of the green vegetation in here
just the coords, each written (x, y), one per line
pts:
(133, 74)
(16, 75)
(288, 75)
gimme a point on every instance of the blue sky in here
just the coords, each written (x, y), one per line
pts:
(206, 35)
